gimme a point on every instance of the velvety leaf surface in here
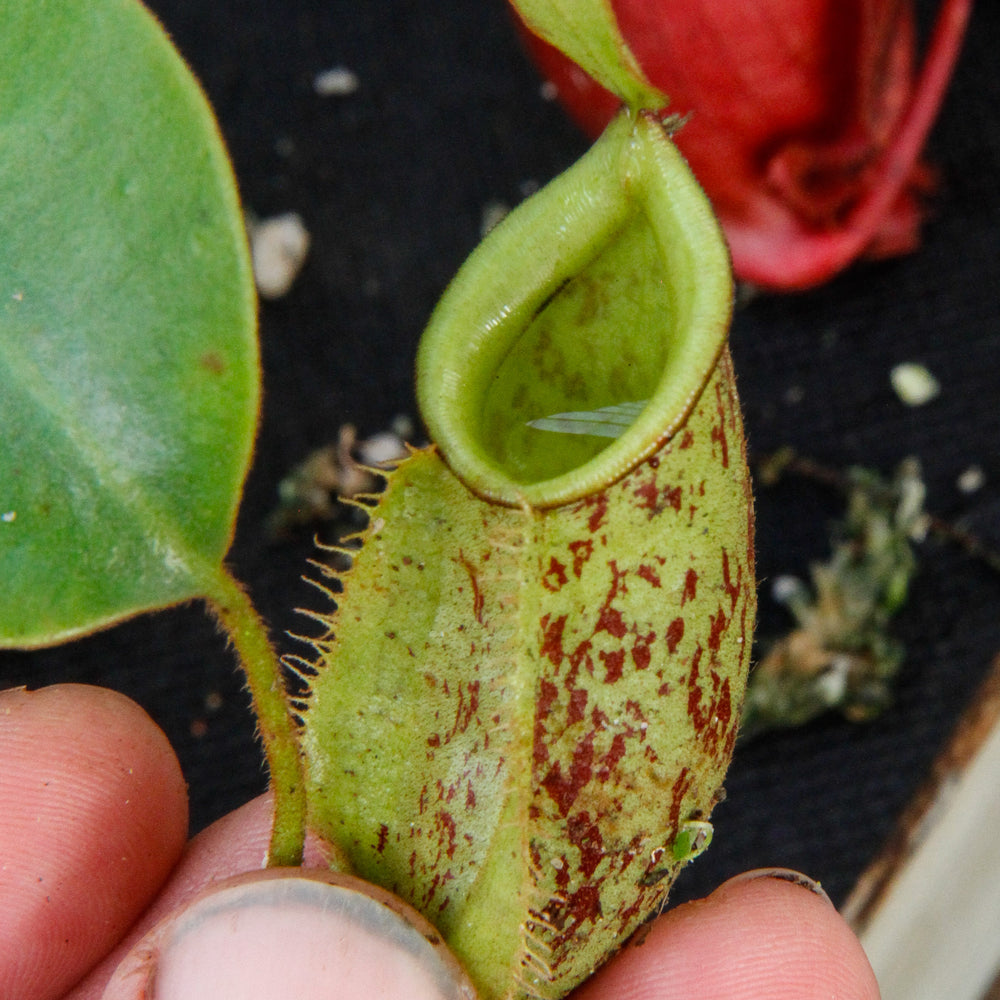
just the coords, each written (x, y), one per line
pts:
(128, 358)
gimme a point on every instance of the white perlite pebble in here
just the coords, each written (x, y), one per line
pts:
(972, 479)
(381, 448)
(336, 82)
(493, 212)
(914, 384)
(279, 246)
(786, 589)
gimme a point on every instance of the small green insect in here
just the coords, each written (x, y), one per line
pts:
(693, 838)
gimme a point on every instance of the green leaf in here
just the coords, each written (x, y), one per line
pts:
(587, 32)
(128, 357)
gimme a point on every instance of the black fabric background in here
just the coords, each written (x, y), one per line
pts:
(392, 181)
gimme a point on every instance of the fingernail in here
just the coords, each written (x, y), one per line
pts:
(293, 936)
(779, 875)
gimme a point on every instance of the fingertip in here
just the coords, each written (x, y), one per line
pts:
(350, 939)
(762, 936)
(94, 811)
(234, 846)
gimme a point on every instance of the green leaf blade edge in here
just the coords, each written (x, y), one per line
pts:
(129, 373)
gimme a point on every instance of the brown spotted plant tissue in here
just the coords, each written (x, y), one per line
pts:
(522, 713)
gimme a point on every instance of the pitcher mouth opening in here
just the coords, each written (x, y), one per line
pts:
(609, 304)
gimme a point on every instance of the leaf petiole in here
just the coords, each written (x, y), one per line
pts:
(239, 619)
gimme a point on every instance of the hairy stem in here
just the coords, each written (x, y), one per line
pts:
(239, 619)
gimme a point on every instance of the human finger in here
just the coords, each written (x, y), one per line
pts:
(294, 932)
(765, 935)
(93, 816)
(232, 845)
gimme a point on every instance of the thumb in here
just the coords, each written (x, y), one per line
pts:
(291, 932)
